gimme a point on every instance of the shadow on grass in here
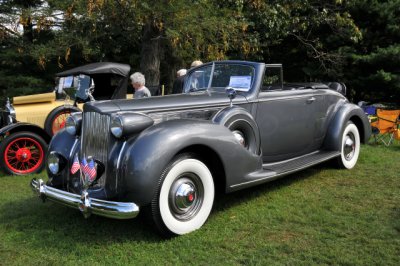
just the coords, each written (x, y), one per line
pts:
(226, 201)
(50, 224)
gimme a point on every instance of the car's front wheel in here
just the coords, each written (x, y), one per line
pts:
(184, 197)
(350, 148)
(22, 153)
(57, 118)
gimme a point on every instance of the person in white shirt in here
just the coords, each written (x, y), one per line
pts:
(138, 83)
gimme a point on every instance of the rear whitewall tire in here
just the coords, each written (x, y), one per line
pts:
(172, 219)
(350, 146)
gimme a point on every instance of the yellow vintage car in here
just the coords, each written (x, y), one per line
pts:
(27, 125)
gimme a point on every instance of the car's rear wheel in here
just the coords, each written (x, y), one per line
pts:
(350, 148)
(22, 153)
(184, 197)
(56, 119)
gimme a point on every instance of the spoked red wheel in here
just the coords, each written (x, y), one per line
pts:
(59, 121)
(56, 119)
(23, 153)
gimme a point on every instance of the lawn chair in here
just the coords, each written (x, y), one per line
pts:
(386, 126)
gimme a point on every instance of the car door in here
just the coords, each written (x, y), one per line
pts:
(286, 120)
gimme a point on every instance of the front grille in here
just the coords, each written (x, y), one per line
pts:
(95, 138)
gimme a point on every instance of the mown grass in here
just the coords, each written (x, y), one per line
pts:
(318, 216)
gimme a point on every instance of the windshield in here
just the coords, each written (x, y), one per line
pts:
(75, 86)
(217, 77)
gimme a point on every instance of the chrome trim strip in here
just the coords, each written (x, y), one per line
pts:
(119, 164)
(72, 154)
(110, 209)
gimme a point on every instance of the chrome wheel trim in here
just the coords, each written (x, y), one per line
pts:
(349, 146)
(186, 196)
(239, 136)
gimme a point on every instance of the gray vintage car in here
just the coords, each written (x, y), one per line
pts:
(236, 126)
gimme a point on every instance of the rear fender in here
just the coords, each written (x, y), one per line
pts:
(147, 156)
(347, 112)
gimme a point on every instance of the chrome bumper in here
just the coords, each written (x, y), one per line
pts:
(111, 209)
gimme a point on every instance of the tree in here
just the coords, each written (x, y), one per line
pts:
(373, 64)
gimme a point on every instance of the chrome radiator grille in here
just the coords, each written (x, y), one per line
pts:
(95, 137)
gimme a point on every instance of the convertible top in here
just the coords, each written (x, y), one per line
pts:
(98, 68)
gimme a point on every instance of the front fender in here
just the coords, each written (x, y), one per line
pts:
(347, 112)
(65, 145)
(147, 156)
(20, 126)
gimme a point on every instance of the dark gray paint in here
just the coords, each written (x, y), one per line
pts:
(291, 123)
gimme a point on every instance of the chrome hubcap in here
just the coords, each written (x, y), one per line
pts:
(186, 196)
(239, 137)
(349, 147)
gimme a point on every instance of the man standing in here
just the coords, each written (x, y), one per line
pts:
(138, 82)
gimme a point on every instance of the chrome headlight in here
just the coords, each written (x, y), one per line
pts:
(10, 108)
(11, 117)
(73, 123)
(54, 163)
(116, 127)
(124, 124)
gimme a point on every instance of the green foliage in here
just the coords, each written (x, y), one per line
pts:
(374, 73)
(315, 40)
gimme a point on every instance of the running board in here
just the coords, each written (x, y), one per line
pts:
(274, 171)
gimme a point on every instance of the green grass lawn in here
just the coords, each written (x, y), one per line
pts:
(318, 216)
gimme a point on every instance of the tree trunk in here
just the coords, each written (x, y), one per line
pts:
(150, 54)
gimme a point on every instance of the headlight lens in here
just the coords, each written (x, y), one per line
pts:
(73, 123)
(128, 123)
(53, 163)
(117, 127)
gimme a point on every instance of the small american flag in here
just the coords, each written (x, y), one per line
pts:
(89, 169)
(75, 165)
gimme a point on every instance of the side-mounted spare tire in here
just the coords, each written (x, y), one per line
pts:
(56, 119)
(241, 123)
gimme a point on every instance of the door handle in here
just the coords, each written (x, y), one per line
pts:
(310, 100)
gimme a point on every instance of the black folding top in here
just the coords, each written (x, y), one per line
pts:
(98, 68)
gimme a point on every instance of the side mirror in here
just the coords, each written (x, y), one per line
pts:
(231, 93)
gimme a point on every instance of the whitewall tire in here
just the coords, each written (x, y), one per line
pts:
(184, 198)
(350, 146)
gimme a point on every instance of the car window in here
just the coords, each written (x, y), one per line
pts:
(272, 78)
(240, 77)
(199, 79)
(83, 85)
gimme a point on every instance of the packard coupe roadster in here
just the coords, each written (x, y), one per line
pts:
(236, 126)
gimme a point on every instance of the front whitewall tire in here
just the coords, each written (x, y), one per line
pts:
(184, 172)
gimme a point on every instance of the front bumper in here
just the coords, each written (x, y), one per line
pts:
(110, 209)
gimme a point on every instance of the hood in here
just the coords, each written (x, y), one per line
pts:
(163, 103)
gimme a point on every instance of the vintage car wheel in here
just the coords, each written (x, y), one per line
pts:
(23, 153)
(57, 118)
(350, 148)
(184, 198)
